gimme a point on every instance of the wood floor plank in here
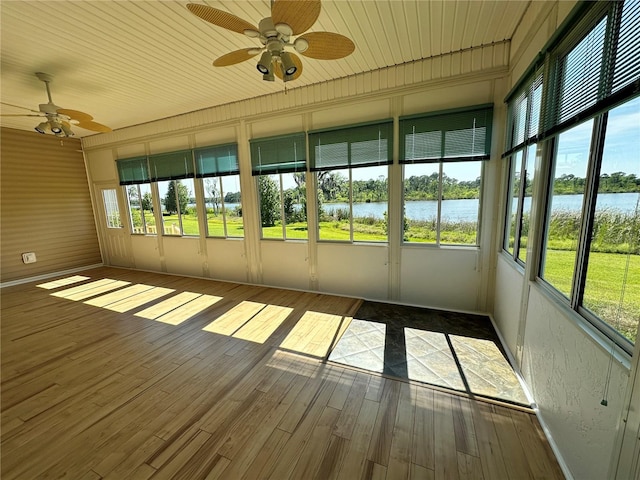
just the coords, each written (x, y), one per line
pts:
(118, 368)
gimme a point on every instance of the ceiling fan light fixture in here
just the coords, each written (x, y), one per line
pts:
(56, 127)
(42, 128)
(264, 65)
(288, 67)
(66, 129)
(269, 77)
(301, 45)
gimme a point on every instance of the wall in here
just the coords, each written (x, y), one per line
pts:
(389, 271)
(564, 364)
(46, 206)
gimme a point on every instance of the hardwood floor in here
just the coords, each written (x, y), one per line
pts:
(125, 374)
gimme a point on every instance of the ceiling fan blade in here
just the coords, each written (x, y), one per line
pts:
(327, 45)
(220, 18)
(300, 15)
(234, 57)
(297, 62)
(93, 126)
(20, 115)
(75, 114)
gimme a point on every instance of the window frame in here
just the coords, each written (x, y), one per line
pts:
(582, 22)
(455, 119)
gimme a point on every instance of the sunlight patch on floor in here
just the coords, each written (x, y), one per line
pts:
(61, 282)
(113, 297)
(263, 324)
(159, 309)
(430, 360)
(139, 299)
(234, 319)
(90, 289)
(316, 333)
(486, 370)
(188, 310)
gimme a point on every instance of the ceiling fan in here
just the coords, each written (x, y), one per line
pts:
(288, 18)
(58, 120)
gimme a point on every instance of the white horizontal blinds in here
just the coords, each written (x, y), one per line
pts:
(132, 171)
(596, 68)
(171, 166)
(281, 154)
(627, 58)
(524, 114)
(362, 145)
(453, 135)
(217, 161)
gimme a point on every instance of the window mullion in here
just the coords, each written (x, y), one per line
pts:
(224, 210)
(282, 217)
(439, 214)
(588, 208)
(350, 206)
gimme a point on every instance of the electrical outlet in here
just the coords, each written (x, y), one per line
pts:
(29, 257)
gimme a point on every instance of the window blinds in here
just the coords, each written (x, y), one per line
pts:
(281, 154)
(361, 145)
(524, 114)
(171, 166)
(133, 171)
(454, 135)
(217, 161)
(596, 68)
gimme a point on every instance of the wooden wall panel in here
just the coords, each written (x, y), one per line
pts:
(45, 206)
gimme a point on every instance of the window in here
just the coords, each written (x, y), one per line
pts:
(112, 211)
(279, 163)
(174, 174)
(218, 167)
(134, 175)
(524, 122)
(141, 209)
(351, 168)
(590, 252)
(441, 154)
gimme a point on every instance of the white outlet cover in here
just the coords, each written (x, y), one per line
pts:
(29, 257)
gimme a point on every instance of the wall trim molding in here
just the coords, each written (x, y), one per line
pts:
(45, 276)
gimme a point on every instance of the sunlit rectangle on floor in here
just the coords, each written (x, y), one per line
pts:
(361, 346)
(167, 305)
(62, 282)
(315, 333)
(487, 370)
(90, 289)
(139, 299)
(429, 359)
(113, 297)
(232, 320)
(264, 323)
(188, 310)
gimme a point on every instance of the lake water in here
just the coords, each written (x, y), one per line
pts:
(467, 210)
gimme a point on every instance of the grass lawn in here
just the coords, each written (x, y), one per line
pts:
(603, 286)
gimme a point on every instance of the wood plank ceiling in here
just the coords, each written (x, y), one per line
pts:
(130, 62)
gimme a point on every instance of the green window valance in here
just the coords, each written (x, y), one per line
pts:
(171, 166)
(353, 146)
(452, 135)
(281, 154)
(132, 171)
(217, 161)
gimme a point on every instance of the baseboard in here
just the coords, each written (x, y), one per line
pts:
(45, 276)
(534, 406)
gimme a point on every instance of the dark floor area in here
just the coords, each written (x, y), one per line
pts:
(459, 351)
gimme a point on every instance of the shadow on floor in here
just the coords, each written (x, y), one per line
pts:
(453, 350)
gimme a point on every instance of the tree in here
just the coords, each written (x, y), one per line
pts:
(269, 200)
(211, 188)
(147, 202)
(170, 199)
